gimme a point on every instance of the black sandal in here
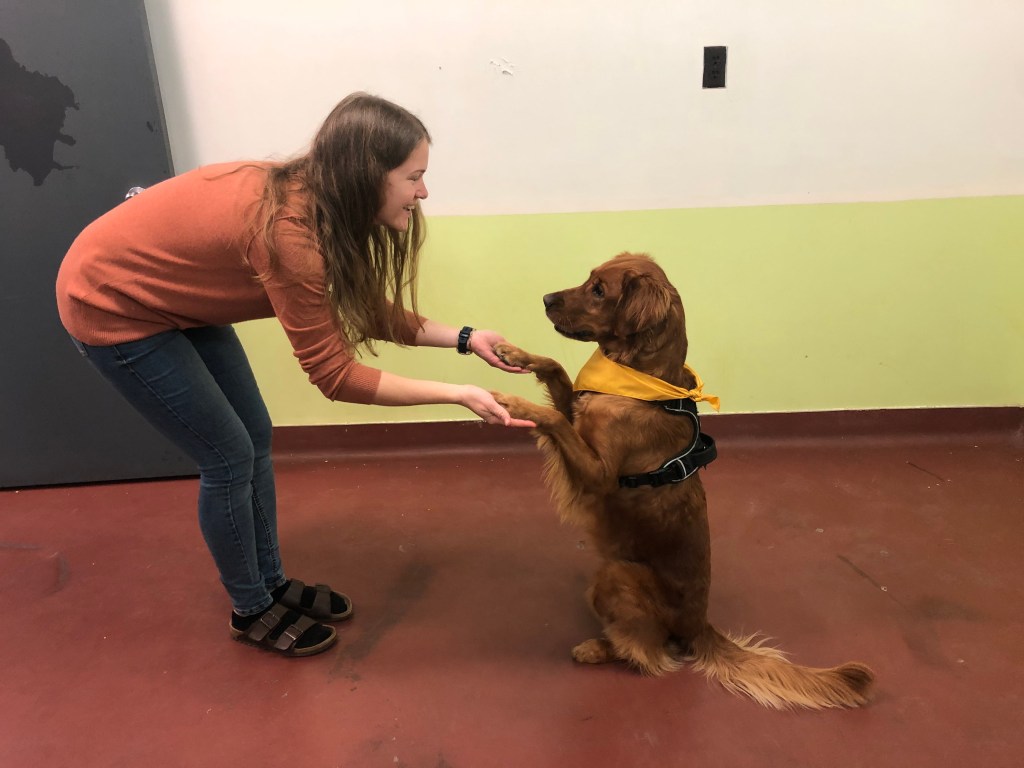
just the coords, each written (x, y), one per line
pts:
(281, 630)
(319, 602)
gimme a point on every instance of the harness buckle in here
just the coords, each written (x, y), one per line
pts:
(674, 471)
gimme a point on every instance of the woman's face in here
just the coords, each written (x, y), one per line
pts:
(404, 189)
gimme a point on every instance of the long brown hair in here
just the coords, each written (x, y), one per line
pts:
(368, 267)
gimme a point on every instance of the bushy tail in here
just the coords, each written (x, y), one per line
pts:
(743, 665)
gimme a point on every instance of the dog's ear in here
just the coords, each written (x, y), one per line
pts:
(644, 304)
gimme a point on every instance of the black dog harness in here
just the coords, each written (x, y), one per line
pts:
(698, 454)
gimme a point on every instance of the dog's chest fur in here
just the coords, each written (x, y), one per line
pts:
(665, 526)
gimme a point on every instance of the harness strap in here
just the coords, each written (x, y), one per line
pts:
(697, 455)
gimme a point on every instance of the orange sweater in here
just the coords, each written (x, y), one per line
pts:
(184, 253)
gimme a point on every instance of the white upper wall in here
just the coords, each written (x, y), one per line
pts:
(589, 105)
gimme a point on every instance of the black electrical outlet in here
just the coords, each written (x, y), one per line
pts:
(714, 66)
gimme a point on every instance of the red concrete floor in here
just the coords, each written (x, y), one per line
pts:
(903, 552)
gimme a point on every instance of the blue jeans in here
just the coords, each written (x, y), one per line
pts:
(197, 388)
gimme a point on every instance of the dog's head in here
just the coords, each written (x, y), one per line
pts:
(628, 306)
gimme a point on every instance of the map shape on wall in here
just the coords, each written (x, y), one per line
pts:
(35, 106)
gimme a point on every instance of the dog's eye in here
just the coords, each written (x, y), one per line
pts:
(598, 290)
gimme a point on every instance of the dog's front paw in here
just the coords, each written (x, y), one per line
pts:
(513, 355)
(517, 407)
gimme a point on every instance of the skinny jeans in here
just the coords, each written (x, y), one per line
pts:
(197, 388)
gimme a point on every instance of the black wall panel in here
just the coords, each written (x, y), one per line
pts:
(80, 123)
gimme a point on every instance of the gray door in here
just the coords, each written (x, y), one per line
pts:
(80, 123)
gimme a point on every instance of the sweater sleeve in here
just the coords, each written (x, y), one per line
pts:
(296, 292)
(409, 327)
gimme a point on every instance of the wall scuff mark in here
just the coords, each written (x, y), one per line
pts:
(504, 66)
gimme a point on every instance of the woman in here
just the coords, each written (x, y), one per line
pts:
(327, 243)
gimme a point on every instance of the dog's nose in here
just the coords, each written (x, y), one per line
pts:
(552, 300)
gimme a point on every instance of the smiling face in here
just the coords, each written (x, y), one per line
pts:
(404, 188)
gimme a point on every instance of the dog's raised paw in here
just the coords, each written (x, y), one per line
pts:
(512, 355)
(517, 407)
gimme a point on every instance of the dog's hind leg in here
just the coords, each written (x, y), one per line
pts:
(626, 597)
(597, 650)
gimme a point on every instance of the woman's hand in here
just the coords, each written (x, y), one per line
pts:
(482, 403)
(482, 344)
(398, 390)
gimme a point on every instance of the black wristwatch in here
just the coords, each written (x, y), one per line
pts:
(463, 344)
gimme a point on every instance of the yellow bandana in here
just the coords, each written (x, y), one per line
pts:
(603, 375)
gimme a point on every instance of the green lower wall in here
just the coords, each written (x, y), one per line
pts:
(789, 308)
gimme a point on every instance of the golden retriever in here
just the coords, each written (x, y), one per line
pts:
(651, 591)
